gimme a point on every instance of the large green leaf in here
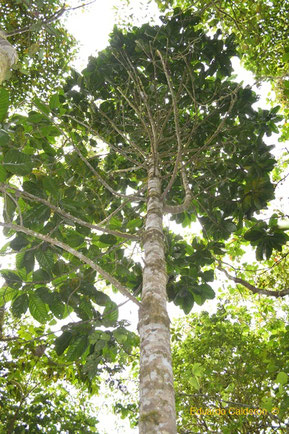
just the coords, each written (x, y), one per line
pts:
(20, 305)
(45, 258)
(38, 308)
(4, 103)
(77, 348)
(17, 162)
(62, 342)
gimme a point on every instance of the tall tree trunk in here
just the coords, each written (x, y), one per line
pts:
(157, 400)
(8, 56)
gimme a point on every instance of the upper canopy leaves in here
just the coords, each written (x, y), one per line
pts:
(159, 95)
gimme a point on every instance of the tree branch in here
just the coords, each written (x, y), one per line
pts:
(6, 187)
(177, 127)
(253, 288)
(49, 20)
(176, 209)
(75, 253)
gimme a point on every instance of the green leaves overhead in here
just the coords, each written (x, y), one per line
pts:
(17, 163)
(38, 308)
(4, 104)
(266, 238)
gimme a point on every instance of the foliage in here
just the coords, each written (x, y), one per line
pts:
(261, 33)
(43, 46)
(261, 30)
(74, 181)
(70, 182)
(35, 390)
(233, 360)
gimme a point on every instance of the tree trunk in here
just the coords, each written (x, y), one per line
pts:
(8, 56)
(157, 401)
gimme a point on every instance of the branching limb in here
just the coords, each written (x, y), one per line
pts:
(177, 127)
(5, 187)
(77, 254)
(97, 135)
(253, 288)
(176, 209)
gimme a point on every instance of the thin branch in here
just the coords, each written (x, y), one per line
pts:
(31, 197)
(253, 288)
(77, 254)
(115, 127)
(91, 130)
(176, 209)
(177, 127)
(49, 20)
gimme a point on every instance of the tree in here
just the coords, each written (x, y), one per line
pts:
(261, 30)
(154, 125)
(35, 391)
(33, 30)
(231, 368)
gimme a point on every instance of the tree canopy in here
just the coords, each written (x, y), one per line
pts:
(43, 46)
(154, 125)
(232, 366)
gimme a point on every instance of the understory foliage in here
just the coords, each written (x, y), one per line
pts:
(74, 182)
(37, 393)
(235, 362)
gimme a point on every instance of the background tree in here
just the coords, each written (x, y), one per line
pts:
(154, 125)
(260, 28)
(234, 359)
(37, 393)
(43, 45)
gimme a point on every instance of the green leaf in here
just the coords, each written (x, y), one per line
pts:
(77, 348)
(20, 305)
(282, 378)
(194, 382)
(4, 138)
(38, 309)
(267, 403)
(101, 299)
(50, 185)
(57, 306)
(110, 314)
(17, 163)
(120, 335)
(3, 174)
(62, 342)
(254, 234)
(7, 294)
(4, 103)
(45, 258)
(9, 208)
(25, 260)
(107, 239)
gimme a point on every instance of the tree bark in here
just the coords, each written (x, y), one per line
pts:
(8, 56)
(157, 401)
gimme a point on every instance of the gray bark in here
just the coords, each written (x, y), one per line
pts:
(157, 401)
(8, 56)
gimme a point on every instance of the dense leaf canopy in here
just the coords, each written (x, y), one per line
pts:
(74, 178)
(235, 362)
(43, 46)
